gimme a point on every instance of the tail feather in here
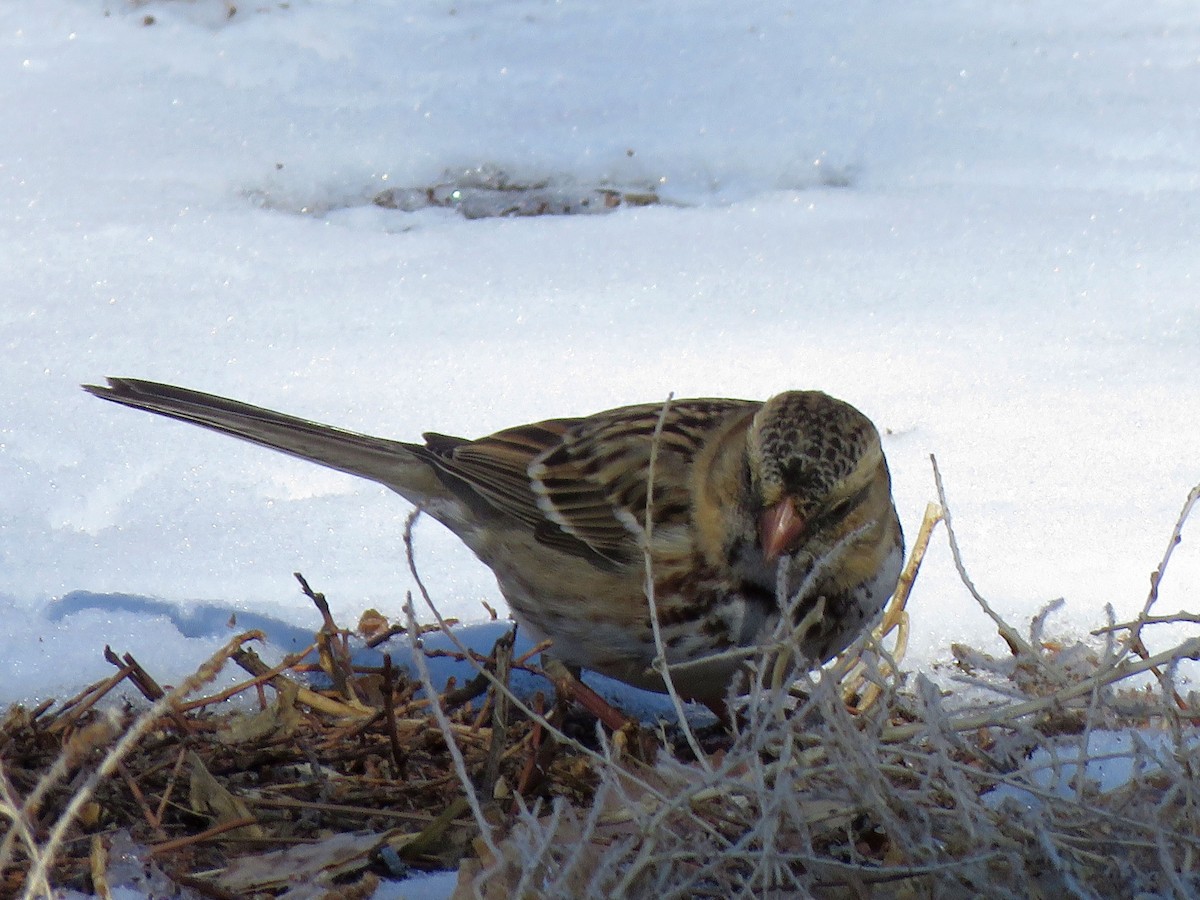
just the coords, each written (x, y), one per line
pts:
(396, 464)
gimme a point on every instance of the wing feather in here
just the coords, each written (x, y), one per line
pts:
(594, 483)
(581, 484)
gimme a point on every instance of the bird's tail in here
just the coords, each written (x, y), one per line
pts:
(393, 463)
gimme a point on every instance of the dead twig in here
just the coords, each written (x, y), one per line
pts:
(399, 759)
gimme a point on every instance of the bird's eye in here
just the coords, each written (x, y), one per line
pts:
(844, 506)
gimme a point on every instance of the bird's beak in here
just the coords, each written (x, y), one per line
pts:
(779, 527)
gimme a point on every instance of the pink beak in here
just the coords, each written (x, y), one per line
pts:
(779, 527)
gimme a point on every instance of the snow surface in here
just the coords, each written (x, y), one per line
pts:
(977, 221)
(1108, 759)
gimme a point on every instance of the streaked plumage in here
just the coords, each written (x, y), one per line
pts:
(747, 496)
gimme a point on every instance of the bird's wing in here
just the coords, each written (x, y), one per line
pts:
(495, 469)
(581, 484)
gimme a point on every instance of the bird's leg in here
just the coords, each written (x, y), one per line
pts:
(719, 708)
(568, 687)
(541, 750)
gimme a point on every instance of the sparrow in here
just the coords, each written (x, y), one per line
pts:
(735, 515)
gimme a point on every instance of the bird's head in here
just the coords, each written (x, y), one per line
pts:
(816, 472)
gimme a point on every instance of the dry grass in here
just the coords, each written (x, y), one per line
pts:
(860, 781)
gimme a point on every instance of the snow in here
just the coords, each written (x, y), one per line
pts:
(1108, 759)
(975, 221)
